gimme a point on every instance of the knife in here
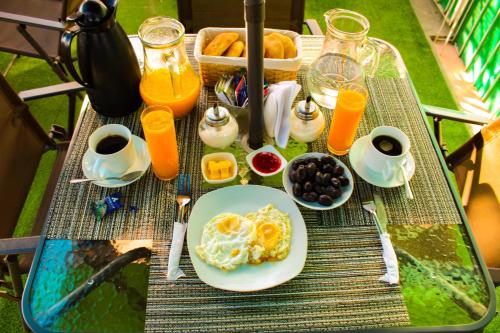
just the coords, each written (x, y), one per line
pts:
(381, 216)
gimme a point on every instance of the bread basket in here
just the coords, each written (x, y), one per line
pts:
(213, 67)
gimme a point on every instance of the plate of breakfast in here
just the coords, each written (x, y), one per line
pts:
(246, 238)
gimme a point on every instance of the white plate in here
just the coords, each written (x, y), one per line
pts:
(141, 163)
(346, 190)
(241, 200)
(268, 149)
(356, 155)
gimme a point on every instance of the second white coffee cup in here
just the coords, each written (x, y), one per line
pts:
(383, 164)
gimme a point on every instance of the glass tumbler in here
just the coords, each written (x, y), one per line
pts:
(159, 131)
(351, 104)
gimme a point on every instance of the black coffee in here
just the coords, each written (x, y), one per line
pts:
(387, 145)
(111, 144)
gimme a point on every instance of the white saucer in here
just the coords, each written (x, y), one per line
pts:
(356, 154)
(141, 163)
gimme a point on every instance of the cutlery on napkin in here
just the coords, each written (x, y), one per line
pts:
(376, 208)
(277, 110)
(183, 198)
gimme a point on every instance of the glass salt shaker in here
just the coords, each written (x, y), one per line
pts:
(218, 128)
(307, 122)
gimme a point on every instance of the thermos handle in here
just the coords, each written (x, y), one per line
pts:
(66, 39)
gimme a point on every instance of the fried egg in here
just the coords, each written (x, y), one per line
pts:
(226, 241)
(273, 234)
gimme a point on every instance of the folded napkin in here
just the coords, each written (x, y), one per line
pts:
(277, 110)
(173, 270)
(390, 259)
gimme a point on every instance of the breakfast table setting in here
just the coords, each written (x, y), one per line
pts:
(318, 205)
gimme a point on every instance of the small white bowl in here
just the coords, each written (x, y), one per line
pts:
(218, 156)
(346, 191)
(268, 149)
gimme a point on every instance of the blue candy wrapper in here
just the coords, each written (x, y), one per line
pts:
(107, 205)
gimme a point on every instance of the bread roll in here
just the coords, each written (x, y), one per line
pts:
(273, 47)
(220, 43)
(288, 45)
(235, 50)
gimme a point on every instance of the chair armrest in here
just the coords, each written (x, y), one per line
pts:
(313, 26)
(54, 90)
(20, 245)
(463, 117)
(31, 21)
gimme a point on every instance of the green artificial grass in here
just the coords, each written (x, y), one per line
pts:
(393, 21)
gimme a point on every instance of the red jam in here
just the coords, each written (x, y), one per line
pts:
(266, 162)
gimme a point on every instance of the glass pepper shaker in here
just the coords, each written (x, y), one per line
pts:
(307, 122)
(218, 128)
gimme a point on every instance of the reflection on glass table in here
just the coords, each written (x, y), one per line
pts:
(91, 285)
(441, 282)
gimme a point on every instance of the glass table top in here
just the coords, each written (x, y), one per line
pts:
(90, 286)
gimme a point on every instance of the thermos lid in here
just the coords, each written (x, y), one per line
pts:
(90, 13)
(307, 110)
(217, 116)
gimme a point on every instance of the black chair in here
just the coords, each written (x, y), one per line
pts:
(33, 28)
(22, 144)
(280, 14)
(476, 164)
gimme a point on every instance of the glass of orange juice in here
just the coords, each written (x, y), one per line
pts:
(168, 78)
(351, 104)
(159, 131)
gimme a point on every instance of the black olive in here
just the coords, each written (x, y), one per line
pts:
(318, 178)
(318, 188)
(325, 200)
(335, 182)
(329, 190)
(293, 176)
(327, 168)
(310, 196)
(297, 189)
(328, 160)
(338, 171)
(311, 169)
(336, 193)
(314, 160)
(301, 173)
(326, 179)
(296, 164)
(308, 186)
(344, 181)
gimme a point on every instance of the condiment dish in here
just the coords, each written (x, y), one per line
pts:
(266, 149)
(217, 157)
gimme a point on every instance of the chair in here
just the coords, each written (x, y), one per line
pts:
(476, 164)
(33, 28)
(22, 144)
(280, 14)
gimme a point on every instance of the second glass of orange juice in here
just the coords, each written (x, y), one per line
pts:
(159, 131)
(351, 104)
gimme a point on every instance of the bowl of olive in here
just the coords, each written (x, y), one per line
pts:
(318, 181)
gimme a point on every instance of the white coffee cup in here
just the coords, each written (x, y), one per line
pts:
(381, 164)
(117, 163)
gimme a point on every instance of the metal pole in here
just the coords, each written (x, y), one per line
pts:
(254, 20)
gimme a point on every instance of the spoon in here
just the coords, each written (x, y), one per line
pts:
(125, 178)
(409, 193)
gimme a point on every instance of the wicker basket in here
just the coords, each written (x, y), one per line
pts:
(212, 67)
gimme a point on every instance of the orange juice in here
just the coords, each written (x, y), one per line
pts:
(159, 130)
(178, 90)
(351, 103)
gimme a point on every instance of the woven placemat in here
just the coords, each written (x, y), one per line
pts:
(338, 289)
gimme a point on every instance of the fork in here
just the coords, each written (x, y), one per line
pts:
(180, 226)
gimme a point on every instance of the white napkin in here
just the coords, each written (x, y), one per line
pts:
(174, 272)
(390, 259)
(277, 110)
